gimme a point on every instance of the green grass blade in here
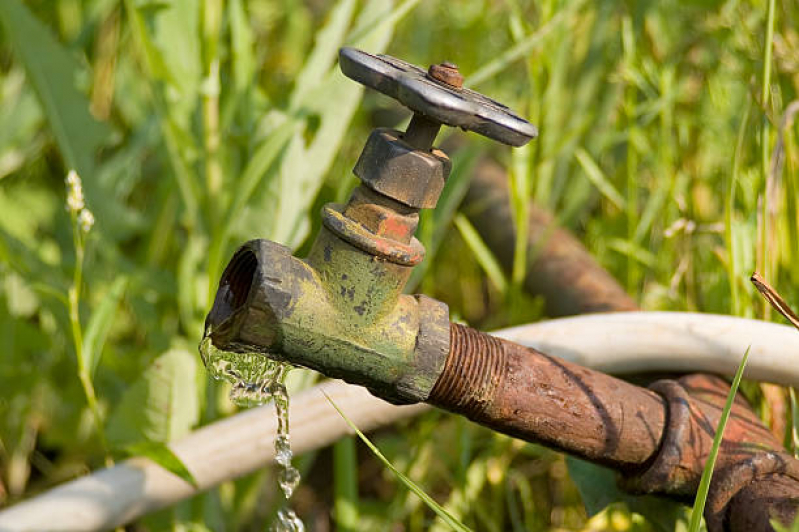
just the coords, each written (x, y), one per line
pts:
(707, 474)
(779, 527)
(411, 485)
(100, 323)
(52, 72)
(345, 484)
(175, 142)
(795, 421)
(521, 49)
(599, 179)
(481, 252)
(328, 41)
(162, 455)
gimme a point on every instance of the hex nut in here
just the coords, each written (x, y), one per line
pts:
(395, 169)
(446, 73)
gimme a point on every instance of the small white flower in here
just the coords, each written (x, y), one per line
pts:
(74, 193)
(85, 220)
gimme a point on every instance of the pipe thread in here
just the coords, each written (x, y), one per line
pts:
(472, 372)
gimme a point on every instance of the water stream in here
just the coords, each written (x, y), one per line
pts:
(255, 380)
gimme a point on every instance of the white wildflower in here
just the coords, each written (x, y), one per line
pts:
(85, 220)
(75, 201)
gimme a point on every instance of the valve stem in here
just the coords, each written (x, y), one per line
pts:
(421, 132)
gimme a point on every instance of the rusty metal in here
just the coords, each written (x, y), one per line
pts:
(529, 395)
(560, 268)
(772, 496)
(695, 404)
(658, 439)
(446, 72)
(749, 455)
(395, 168)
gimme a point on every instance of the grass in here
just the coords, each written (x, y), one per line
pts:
(710, 464)
(197, 125)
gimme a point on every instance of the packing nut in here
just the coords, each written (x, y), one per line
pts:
(395, 169)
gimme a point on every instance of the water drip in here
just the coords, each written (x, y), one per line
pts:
(255, 380)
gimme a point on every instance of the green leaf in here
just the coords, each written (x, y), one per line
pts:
(794, 432)
(779, 527)
(448, 518)
(634, 251)
(481, 252)
(161, 405)
(328, 41)
(174, 116)
(598, 178)
(52, 72)
(163, 456)
(707, 474)
(100, 323)
(191, 296)
(242, 65)
(522, 48)
(598, 489)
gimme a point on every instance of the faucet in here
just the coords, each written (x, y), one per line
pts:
(342, 311)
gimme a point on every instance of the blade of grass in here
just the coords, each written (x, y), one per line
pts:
(52, 72)
(411, 485)
(795, 421)
(332, 103)
(164, 456)
(345, 467)
(155, 69)
(599, 179)
(522, 48)
(729, 213)
(765, 162)
(481, 252)
(100, 323)
(328, 41)
(520, 192)
(707, 474)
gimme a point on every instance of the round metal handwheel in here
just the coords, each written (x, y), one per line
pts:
(436, 95)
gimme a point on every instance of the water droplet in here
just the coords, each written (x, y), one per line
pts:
(255, 379)
(287, 521)
(289, 478)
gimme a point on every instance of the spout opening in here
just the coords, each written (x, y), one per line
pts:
(234, 290)
(239, 277)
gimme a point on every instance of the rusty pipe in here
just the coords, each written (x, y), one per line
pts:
(526, 394)
(560, 268)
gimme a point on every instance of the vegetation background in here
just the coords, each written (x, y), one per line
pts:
(196, 124)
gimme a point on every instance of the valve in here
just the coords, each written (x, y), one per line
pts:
(341, 310)
(437, 97)
(404, 166)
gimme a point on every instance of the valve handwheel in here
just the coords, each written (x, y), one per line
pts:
(436, 97)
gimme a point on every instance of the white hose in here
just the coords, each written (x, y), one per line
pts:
(615, 343)
(634, 342)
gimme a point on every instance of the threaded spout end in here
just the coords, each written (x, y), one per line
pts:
(474, 369)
